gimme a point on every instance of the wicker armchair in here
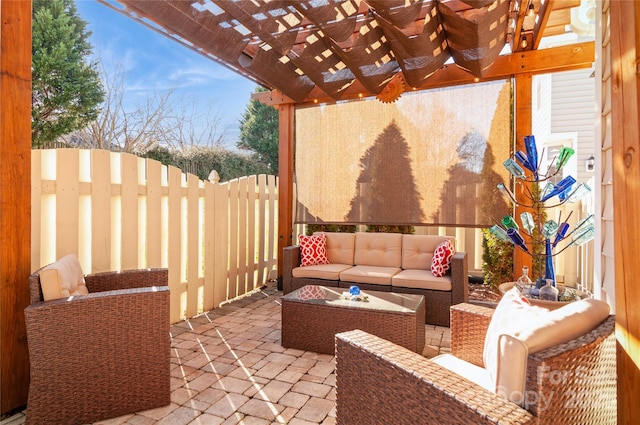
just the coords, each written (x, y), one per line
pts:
(380, 383)
(101, 355)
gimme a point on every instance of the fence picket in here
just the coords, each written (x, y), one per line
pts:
(175, 252)
(192, 246)
(128, 212)
(242, 236)
(67, 202)
(36, 206)
(221, 243)
(261, 206)
(208, 248)
(251, 233)
(154, 213)
(233, 194)
(100, 211)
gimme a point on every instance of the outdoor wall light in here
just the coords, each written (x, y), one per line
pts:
(590, 163)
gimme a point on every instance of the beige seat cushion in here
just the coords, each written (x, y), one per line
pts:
(63, 278)
(321, 271)
(421, 279)
(518, 329)
(378, 249)
(369, 274)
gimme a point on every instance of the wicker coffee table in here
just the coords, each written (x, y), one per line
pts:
(311, 324)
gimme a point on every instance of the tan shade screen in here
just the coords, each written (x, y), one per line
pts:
(432, 157)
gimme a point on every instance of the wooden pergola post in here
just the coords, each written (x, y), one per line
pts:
(523, 127)
(15, 199)
(625, 136)
(285, 179)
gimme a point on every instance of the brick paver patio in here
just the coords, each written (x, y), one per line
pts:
(228, 367)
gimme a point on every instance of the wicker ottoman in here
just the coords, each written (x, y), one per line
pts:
(311, 324)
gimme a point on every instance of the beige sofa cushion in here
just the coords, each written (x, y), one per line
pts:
(374, 275)
(340, 247)
(417, 250)
(378, 249)
(321, 271)
(517, 330)
(421, 279)
(62, 279)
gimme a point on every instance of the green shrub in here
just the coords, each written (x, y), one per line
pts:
(328, 227)
(388, 228)
(497, 260)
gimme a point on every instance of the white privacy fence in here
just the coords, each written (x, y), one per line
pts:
(118, 211)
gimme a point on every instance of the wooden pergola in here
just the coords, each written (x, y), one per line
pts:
(308, 52)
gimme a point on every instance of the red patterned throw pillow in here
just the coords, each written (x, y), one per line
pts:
(441, 261)
(313, 250)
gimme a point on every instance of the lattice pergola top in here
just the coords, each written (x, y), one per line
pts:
(312, 49)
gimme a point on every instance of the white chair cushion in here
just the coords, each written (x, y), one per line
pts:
(518, 329)
(469, 371)
(63, 278)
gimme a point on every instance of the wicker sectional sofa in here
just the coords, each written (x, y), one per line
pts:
(390, 262)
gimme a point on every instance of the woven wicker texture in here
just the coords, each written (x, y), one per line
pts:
(437, 303)
(101, 355)
(312, 326)
(571, 383)
(378, 382)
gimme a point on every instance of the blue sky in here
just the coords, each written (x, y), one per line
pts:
(155, 63)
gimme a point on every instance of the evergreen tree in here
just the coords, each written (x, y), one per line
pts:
(259, 132)
(66, 88)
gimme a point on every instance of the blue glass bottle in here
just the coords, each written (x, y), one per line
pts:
(549, 272)
(560, 233)
(517, 239)
(532, 152)
(522, 158)
(559, 188)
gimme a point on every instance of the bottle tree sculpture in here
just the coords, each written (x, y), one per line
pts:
(534, 230)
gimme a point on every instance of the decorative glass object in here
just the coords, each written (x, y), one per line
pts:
(515, 170)
(527, 221)
(517, 239)
(549, 271)
(524, 283)
(540, 239)
(532, 152)
(509, 222)
(499, 233)
(548, 292)
(563, 157)
(549, 229)
(562, 185)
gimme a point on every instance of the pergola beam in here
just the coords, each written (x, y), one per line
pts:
(556, 59)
